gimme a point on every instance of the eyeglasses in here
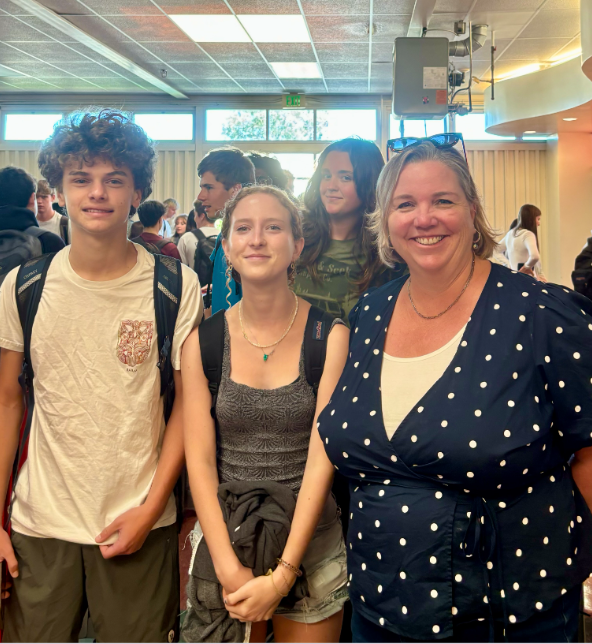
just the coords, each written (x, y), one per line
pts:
(442, 141)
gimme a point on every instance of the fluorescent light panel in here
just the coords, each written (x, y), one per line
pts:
(226, 28)
(562, 58)
(275, 28)
(211, 28)
(296, 70)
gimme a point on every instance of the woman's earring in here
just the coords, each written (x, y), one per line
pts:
(292, 274)
(477, 241)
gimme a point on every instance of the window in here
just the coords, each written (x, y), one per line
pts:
(472, 127)
(291, 125)
(416, 128)
(301, 166)
(340, 124)
(235, 125)
(29, 127)
(166, 127)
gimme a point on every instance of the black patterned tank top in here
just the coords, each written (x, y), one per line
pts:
(263, 433)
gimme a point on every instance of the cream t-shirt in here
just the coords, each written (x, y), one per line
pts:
(98, 421)
(405, 381)
(53, 224)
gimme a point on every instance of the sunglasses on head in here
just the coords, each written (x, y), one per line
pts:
(442, 141)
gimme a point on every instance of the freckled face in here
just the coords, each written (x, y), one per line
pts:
(431, 222)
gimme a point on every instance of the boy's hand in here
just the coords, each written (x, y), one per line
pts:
(133, 527)
(7, 555)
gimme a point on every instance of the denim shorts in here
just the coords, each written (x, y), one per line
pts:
(325, 563)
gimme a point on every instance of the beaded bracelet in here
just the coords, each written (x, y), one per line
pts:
(290, 567)
(269, 574)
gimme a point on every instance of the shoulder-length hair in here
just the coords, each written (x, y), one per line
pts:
(527, 216)
(367, 163)
(387, 182)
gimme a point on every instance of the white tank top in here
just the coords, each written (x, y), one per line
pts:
(405, 381)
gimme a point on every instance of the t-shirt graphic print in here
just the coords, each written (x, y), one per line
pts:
(134, 342)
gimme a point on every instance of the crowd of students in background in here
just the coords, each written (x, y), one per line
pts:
(244, 304)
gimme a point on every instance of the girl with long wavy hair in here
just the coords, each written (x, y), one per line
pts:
(521, 243)
(339, 261)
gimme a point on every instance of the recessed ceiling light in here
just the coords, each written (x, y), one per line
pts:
(275, 28)
(521, 71)
(529, 131)
(211, 28)
(296, 70)
(571, 118)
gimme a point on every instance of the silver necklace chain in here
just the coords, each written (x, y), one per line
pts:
(433, 317)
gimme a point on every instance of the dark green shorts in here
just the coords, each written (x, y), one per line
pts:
(130, 598)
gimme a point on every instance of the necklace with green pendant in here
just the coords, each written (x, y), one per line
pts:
(266, 355)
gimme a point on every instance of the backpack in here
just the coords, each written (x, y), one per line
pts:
(202, 264)
(582, 275)
(168, 287)
(152, 247)
(211, 342)
(18, 247)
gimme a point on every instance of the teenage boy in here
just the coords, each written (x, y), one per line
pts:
(151, 215)
(93, 516)
(222, 174)
(47, 217)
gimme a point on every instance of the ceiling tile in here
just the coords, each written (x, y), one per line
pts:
(156, 70)
(345, 70)
(82, 70)
(261, 86)
(223, 52)
(534, 48)
(562, 4)
(220, 86)
(387, 28)
(177, 52)
(342, 52)
(39, 70)
(338, 29)
(330, 7)
(66, 6)
(14, 9)
(265, 7)
(382, 71)
(382, 52)
(198, 72)
(485, 52)
(241, 71)
(342, 86)
(150, 28)
(122, 8)
(557, 24)
(15, 54)
(393, 6)
(288, 52)
(310, 86)
(506, 5)
(445, 21)
(32, 84)
(194, 7)
(79, 85)
(52, 53)
(13, 30)
(83, 51)
(506, 24)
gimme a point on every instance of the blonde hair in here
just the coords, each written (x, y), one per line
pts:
(284, 200)
(387, 182)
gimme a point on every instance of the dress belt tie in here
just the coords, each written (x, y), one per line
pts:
(482, 540)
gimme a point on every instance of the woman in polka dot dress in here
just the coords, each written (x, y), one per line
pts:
(463, 420)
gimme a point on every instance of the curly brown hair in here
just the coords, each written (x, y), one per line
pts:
(283, 200)
(107, 134)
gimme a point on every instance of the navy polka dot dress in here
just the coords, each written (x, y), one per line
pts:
(470, 512)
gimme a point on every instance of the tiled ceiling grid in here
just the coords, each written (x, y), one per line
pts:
(353, 57)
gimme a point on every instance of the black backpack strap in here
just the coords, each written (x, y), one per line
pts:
(318, 327)
(161, 243)
(211, 344)
(64, 229)
(198, 233)
(30, 281)
(168, 288)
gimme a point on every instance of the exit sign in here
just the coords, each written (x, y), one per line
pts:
(294, 101)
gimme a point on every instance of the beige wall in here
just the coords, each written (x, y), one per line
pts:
(570, 190)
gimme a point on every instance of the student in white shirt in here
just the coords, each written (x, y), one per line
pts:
(521, 243)
(93, 516)
(197, 220)
(47, 217)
